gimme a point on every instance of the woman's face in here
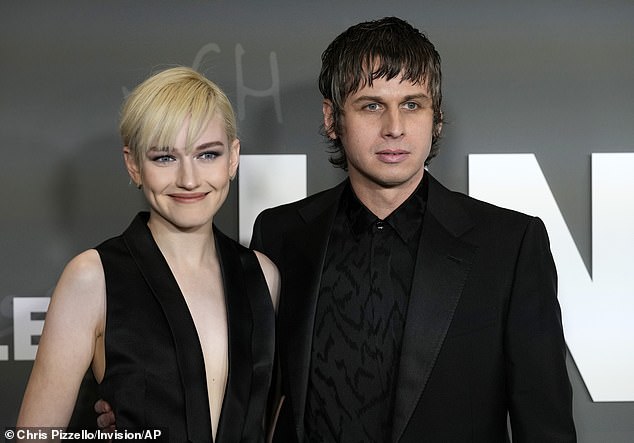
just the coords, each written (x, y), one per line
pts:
(185, 190)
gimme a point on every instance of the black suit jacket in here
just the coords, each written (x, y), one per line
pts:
(483, 334)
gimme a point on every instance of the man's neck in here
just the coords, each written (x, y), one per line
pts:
(383, 200)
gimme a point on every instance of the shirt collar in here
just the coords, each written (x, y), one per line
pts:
(406, 220)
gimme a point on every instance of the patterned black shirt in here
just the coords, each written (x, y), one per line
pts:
(360, 318)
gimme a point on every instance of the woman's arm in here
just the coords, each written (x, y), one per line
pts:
(72, 331)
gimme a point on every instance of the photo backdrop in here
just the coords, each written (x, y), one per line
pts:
(550, 80)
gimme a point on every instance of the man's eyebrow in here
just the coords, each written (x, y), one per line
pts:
(368, 98)
(417, 97)
(380, 99)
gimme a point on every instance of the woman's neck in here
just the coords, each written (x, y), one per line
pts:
(183, 247)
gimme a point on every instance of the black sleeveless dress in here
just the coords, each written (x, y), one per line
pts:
(155, 373)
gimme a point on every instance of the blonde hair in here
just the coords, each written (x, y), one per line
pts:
(154, 112)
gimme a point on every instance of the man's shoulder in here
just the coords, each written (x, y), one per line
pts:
(487, 209)
(315, 202)
(450, 205)
(274, 226)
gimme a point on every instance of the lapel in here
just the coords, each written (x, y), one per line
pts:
(189, 356)
(304, 254)
(239, 326)
(442, 265)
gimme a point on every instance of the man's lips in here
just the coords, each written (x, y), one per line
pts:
(392, 155)
(189, 197)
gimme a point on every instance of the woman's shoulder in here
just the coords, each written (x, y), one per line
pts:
(269, 270)
(83, 276)
(86, 265)
(271, 275)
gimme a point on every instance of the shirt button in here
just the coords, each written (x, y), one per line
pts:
(380, 225)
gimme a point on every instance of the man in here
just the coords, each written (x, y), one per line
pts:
(408, 313)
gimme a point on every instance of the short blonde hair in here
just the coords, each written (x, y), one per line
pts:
(154, 112)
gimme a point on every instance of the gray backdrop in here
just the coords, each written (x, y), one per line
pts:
(552, 78)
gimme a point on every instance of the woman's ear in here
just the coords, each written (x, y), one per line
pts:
(327, 110)
(132, 167)
(234, 158)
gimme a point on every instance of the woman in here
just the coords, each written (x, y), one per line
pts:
(174, 317)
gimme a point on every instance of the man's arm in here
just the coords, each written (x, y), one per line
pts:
(539, 390)
(105, 419)
(256, 237)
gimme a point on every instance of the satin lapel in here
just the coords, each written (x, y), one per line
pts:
(304, 255)
(442, 266)
(240, 324)
(162, 283)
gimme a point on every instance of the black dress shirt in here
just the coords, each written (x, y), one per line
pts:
(360, 318)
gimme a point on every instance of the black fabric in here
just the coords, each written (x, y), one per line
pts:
(482, 339)
(359, 322)
(155, 374)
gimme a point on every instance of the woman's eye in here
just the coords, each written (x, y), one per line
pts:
(163, 159)
(210, 155)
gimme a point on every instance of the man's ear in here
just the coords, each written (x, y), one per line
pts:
(234, 158)
(132, 167)
(438, 126)
(328, 111)
(437, 129)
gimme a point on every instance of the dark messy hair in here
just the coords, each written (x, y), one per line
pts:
(384, 48)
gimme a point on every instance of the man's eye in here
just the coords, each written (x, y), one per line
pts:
(411, 105)
(372, 106)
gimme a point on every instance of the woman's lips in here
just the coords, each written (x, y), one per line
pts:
(189, 198)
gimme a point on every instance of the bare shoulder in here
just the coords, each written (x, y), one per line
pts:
(85, 268)
(272, 276)
(82, 286)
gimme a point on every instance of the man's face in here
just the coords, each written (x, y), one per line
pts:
(386, 131)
